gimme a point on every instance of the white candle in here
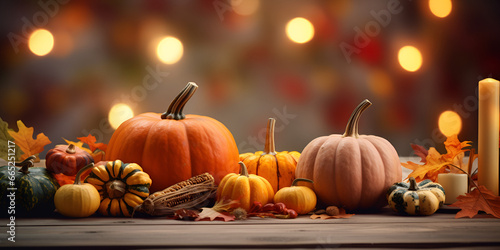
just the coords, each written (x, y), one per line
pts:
(454, 185)
(488, 134)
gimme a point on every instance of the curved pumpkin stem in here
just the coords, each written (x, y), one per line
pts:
(71, 149)
(80, 172)
(352, 125)
(294, 183)
(26, 164)
(269, 147)
(243, 169)
(174, 111)
(413, 184)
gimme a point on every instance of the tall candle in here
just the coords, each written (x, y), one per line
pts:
(488, 134)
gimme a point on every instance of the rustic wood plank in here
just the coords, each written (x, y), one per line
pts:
(363, 230)
(209, 235)
(386, 215)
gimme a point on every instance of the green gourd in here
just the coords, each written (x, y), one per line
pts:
(26, 190)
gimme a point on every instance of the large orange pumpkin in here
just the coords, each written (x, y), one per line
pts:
(172, 147)
(277, 167)
(351, 170)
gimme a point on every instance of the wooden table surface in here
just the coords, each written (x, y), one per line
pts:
(382, 230)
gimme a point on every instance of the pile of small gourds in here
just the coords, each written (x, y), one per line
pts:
(346, 170)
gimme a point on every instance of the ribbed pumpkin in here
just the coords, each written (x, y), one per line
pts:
(122, 187)
(78, 199)
(277, 167)
(246, 188)
(351, 170)
(67, 159)
(302, 199)
(33, 189)
(423, 198)
(173, 147)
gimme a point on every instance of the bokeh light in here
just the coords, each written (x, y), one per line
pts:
(380, 83)
(245, 7)
(41, 42)
(449, 123)
(440, 8)
(119, 113)
(300, 30)
(410, 58)
(170, 50)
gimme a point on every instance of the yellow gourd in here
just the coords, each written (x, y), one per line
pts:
(245, 188)
(78, 199)
(299, 198)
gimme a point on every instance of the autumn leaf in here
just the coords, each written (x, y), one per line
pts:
(24, 138)
(342, 215)
(90, 140)
(420, 151)
(479, 199)
(63, 179)
(211, 214)
(436, 163)
(78, 144)
(5, 141)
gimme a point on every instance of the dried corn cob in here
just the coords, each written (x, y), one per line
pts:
(185, 194)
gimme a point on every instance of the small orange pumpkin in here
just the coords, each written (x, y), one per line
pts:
(67, 159)
(277, 167)
(351, 170)
(172, 147)
(245, 188)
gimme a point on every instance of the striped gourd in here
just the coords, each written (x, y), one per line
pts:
(27, 190)
(423, 198)
(122, 187)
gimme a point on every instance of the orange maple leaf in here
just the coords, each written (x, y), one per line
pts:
(24, 139)
(436, 163)
(90, 140)
(479, 199)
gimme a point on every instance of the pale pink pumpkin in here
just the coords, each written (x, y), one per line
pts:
(350, 170)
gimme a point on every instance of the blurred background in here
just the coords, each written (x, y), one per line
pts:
(70, 68)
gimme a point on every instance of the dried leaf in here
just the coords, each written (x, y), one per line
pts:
(90, 140)
(4, 142)
(24, 138)
(185, 214)
(63, 179)
(342, 215)
(436, 163)
(479, 199)
(420, 151)
(210, 214)
(78, 144)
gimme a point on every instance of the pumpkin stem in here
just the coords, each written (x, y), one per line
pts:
(174, 111)
(80, 172)
(413, 184)
(243, 169)
(71, 149)
(294, 183)
(269, 147)
(352, 125)
(115, 189)
(26, 164)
